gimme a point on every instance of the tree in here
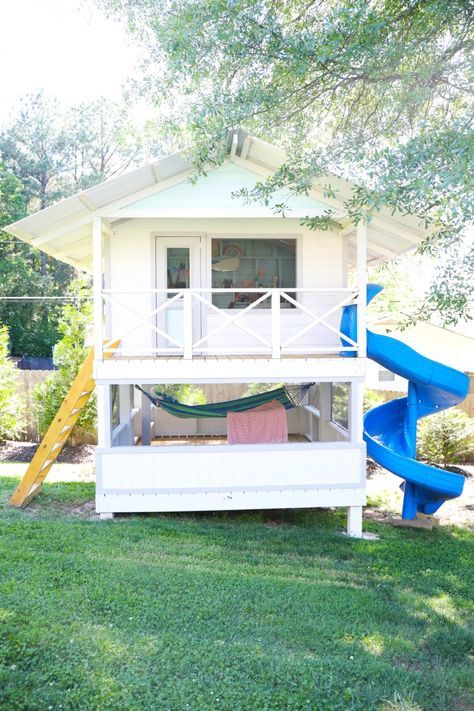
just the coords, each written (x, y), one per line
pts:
(103, 142)
(56, 153)
(32, 326)
(11, 404)
(34, 149)
(12, 198)
(69, 354)
(378, 92)
(49, 153)
(403, 290)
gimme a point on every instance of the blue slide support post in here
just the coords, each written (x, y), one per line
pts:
(390, 429)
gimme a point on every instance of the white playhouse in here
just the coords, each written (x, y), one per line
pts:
(201, 288)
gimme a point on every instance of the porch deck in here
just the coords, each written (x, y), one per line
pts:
(149, 370)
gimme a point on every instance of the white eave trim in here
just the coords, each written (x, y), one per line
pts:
(211, 213)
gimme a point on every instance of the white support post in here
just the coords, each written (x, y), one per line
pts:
(276, 324)
(362, 288)
(310, 427)
(188, 324)
(107, 307)
(146, 419)
(97, 286)
(325, 410)
(356, 407)
(354, 521)
(104, 416)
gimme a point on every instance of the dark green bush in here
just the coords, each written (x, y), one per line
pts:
(68, 355)
(11, 403)
(445, 438)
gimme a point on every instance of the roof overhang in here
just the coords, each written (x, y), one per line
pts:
(64, 230)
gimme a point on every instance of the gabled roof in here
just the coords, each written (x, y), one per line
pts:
(64, 230)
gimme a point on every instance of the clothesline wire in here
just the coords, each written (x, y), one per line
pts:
(43, 298)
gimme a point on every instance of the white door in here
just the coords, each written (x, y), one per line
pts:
(178, 266)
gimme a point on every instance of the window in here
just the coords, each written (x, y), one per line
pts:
(340, 404)
(238, 264)
(386, 375)
(114, 398)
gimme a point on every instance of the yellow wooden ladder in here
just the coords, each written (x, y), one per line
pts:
(58, 432)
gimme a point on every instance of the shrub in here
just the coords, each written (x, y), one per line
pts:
(12, 408)
(445, 438)
(184, 392)
(258, 388)
(68, 355)
(372, 398)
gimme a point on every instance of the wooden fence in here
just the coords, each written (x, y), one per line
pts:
(28, 380)
(468, 405)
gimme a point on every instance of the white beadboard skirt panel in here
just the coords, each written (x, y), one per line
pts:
(207, 478)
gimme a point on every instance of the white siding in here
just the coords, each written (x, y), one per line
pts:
(215, 191)
(131, 264)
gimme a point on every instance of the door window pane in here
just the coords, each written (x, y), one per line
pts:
(177, 265)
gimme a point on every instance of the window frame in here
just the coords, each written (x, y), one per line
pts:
(297, 237)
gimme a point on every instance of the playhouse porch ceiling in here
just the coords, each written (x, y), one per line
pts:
(64, 230)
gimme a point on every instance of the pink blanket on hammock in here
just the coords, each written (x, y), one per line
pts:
(264, 424)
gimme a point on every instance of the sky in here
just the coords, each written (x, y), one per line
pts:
(66, 47)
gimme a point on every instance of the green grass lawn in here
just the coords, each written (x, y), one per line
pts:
(244, 611)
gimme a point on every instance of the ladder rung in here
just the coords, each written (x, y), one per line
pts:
(41, 477)
(73, 416)
(35, 489)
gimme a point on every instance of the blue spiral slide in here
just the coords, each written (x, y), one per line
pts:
(390, 429)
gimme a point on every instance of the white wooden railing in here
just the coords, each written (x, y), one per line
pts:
(270, 322)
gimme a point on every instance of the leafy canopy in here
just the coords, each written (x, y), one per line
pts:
(31, 325)
(378, 91)
(47, 153)
(69, 354)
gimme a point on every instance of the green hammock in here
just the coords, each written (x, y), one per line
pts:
(288, 395)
